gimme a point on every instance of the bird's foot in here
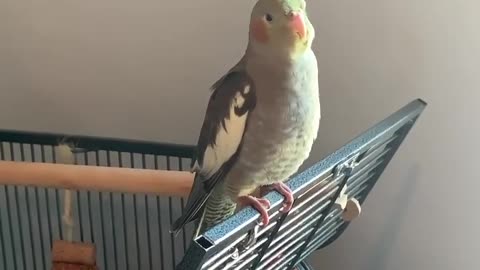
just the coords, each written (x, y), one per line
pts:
(260, 204)
(283, 189)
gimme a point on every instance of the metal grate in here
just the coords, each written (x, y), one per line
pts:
(131, 231)
(314, 221)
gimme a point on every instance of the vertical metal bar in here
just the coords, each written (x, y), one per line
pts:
(124, 217)
(20, 227)
(89, 206)
(112, 218)
(32, 150)
(102, 230)
(29, 213)
(9, 215)
(22, 152)
(31, 223)
(2, 153)
(47, 201)
(57, 198)
(17, 205)
(137, 236)
(12, 152)
(3, 241)
(170, 201)
(42, 153)
(149, 241)
(79, 210)
(182, 204)
(80, 219)
(162, 260)
(2, 245)
(35, 189)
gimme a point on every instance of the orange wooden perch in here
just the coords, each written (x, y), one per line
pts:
(73, 256)
(81, 177)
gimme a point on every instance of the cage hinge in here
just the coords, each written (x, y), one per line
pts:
(347, 166)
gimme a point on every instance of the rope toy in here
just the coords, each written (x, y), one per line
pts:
(65, 156)
(67, 254)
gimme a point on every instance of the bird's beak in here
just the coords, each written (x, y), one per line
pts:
(297, 24)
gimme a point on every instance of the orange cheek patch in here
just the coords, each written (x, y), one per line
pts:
(259, 31)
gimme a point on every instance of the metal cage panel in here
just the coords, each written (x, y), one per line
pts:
(314, 221)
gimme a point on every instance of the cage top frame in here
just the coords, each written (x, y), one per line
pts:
(91, 143)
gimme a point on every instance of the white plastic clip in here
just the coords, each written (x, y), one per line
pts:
(342, 199)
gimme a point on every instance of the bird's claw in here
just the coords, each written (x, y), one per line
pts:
(260, 204)
(283, 189)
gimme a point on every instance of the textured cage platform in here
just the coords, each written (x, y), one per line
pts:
(131, 231)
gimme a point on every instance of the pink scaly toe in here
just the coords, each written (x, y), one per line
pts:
(283, 189)
(260, 204)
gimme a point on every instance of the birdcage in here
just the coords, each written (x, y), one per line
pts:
(130, 230)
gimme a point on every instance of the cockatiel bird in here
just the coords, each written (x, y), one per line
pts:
(261, 120)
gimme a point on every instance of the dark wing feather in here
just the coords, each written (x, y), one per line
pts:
(218, 112)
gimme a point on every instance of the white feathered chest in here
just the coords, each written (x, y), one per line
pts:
(282, 128)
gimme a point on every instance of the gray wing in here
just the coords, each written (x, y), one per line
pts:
(231, 101)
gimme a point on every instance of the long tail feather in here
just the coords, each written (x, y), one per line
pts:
(194, 207)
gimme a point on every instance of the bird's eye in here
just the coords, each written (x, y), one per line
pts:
(268, 17)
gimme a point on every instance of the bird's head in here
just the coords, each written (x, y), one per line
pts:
(280, 27)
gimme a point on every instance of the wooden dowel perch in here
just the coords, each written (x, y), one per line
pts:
(64, 252)
(82, 177)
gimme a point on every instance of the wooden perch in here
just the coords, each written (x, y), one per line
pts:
(73, 253)
(81, 177)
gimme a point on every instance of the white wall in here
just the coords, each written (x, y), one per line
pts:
(141, 69)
